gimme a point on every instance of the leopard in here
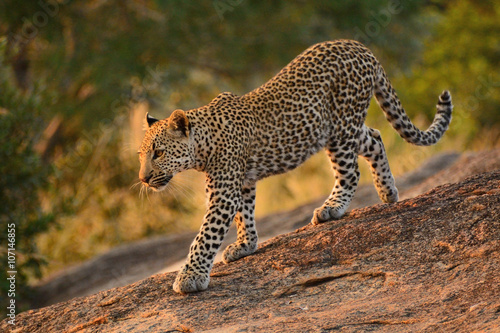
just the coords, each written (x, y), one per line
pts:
(318, 101)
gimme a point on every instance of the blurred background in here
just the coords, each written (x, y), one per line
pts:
(76, 78)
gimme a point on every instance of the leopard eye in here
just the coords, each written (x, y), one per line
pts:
(158, 153)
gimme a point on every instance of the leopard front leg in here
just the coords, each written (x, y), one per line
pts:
(246, 243)
(224, 201)
(344, 161)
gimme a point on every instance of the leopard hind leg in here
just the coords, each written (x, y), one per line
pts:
(371, 148)
(344, 161)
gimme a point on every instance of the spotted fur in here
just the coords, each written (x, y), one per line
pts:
(319, 100)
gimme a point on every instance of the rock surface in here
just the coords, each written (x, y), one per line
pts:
(427, 264)
(133, 262)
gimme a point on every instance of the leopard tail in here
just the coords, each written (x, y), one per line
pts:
(396, 115)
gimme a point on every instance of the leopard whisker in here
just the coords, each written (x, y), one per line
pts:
(135, 185)
(184, 190)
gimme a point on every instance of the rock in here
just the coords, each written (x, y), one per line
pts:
(133, 262)
(425, 264)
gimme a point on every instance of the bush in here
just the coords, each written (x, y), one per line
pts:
(23, 177)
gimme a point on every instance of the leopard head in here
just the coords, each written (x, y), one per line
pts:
(165, 150)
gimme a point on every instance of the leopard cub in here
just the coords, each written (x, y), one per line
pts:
(319, 100)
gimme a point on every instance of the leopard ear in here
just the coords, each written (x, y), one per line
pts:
(148, 121)
(178, 123)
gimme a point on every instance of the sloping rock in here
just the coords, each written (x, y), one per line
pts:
(118, 267)
(469, 163)
(132, 262)
(427, 264)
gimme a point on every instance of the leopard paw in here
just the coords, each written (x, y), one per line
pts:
(327, 213)
(188, 281)
(392, 196)
(237, 251)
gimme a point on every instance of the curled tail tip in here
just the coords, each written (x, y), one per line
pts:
(445, 97)
(444, 103)
(445, 94)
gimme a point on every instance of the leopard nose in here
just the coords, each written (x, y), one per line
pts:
(146, 179)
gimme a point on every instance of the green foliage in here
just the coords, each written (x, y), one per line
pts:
(462, 55)
(90, 60)
(23, 178)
